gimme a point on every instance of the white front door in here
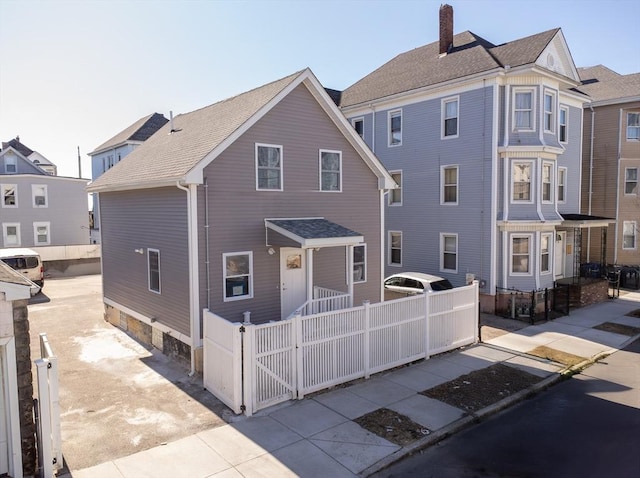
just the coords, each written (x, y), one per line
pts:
(559, 253)
(293, 280)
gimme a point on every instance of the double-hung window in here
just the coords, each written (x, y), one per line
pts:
(395, 248)
(545, 253)
(633, 126)
(10, 164)
(450, 115)
(521, 180)
(395, 195)
(358, 125)
(629, 234)
(359, 263)
(631, 181)
(547, 176)
(562, 184)
(449, 185)
(9, 195)
(564, 118)
(395, 128)
(330, 170)
(520, 254)
(41, 233)
(153, 270)
(11, 234)
(549, 111)
(238, 275)
(523, 110)
(268, 167)
(448, 252)
(39, 194)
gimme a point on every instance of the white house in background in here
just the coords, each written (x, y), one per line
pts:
(112, 151)
(36, 207)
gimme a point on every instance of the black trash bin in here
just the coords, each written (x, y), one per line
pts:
(630, 277)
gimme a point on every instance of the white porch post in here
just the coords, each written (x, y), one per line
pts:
(309, 259)
(350, 273)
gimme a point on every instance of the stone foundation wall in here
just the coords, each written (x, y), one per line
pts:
(594, 292)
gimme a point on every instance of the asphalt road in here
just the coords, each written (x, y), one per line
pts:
(117, 397)
(588, 426)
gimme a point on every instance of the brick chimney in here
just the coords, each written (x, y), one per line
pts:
(446, 28)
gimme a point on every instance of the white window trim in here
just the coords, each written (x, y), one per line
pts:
(390, 114)
(551, 241)
(554, 117)
(390, 199)
(443, 235)
(10, 160)
(224, 276)
(626, 131)
(443, 111)
(358, 119)
(564, 199)
(566, 124)
(5, 226)
(531, 182)
(442, 184)
(533, 108)
(551, 174)
(36, 225)
(354, 263)
(339, 153)
(520, 274)
(3, 188)
(159, 291)
(625, 182)
(634, 228)
(394, 264)
(33, 195)
(280, 147)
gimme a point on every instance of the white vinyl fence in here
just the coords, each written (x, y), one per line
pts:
(250, 367)
(49, 436)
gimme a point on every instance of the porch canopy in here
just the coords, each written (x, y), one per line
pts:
(585, 221)
(314, 232)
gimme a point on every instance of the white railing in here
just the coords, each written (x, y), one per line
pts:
(324, 300)
(49, 436)
(288, 359)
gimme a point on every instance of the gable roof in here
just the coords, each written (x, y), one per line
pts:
(139, 131)
(424, 66)
(14, 285)
(200, 136)
(18, 146)
(36, 167)
(605, 85)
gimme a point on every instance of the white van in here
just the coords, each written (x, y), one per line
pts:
(25, 261)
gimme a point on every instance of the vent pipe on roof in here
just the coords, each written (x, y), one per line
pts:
(171, 122)
(446, 28)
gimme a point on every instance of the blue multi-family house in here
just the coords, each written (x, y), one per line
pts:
(485, 141)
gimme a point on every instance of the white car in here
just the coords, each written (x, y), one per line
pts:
(416, 283)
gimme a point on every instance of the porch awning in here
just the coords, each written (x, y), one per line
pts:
(314, 232)
(585, 221)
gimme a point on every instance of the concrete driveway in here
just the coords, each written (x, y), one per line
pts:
(117, 397)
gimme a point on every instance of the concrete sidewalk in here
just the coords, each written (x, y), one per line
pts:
(317, 435)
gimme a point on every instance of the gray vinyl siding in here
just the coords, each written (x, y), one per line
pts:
(421, 218)
(572, 160)
(237, 211)
(66, 211)
(143, 219)
(23, 166)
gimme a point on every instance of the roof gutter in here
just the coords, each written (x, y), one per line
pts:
(194, 286)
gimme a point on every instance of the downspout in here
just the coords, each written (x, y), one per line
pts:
(593, 120)
(192, 234)
(206, 241)
(373, 128)
(615, 244)
(494, 190)
(382, 243)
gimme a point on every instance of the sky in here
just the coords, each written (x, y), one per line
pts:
(73, 74)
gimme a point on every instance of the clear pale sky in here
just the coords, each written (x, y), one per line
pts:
(75, 73)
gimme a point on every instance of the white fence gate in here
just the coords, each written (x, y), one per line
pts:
(49, 436)
(269, 363)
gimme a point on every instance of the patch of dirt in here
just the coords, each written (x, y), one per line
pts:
(392, 426)
(558, 356)
(479, 389)
(634, 313)
(621, 329)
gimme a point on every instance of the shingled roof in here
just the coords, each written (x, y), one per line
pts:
(423, 66)
(603, 84)
(139, 131)
(18, 146)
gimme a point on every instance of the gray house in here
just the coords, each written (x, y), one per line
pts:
(250, 208)
(111, 152)
(485, 141)
(38, 208)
